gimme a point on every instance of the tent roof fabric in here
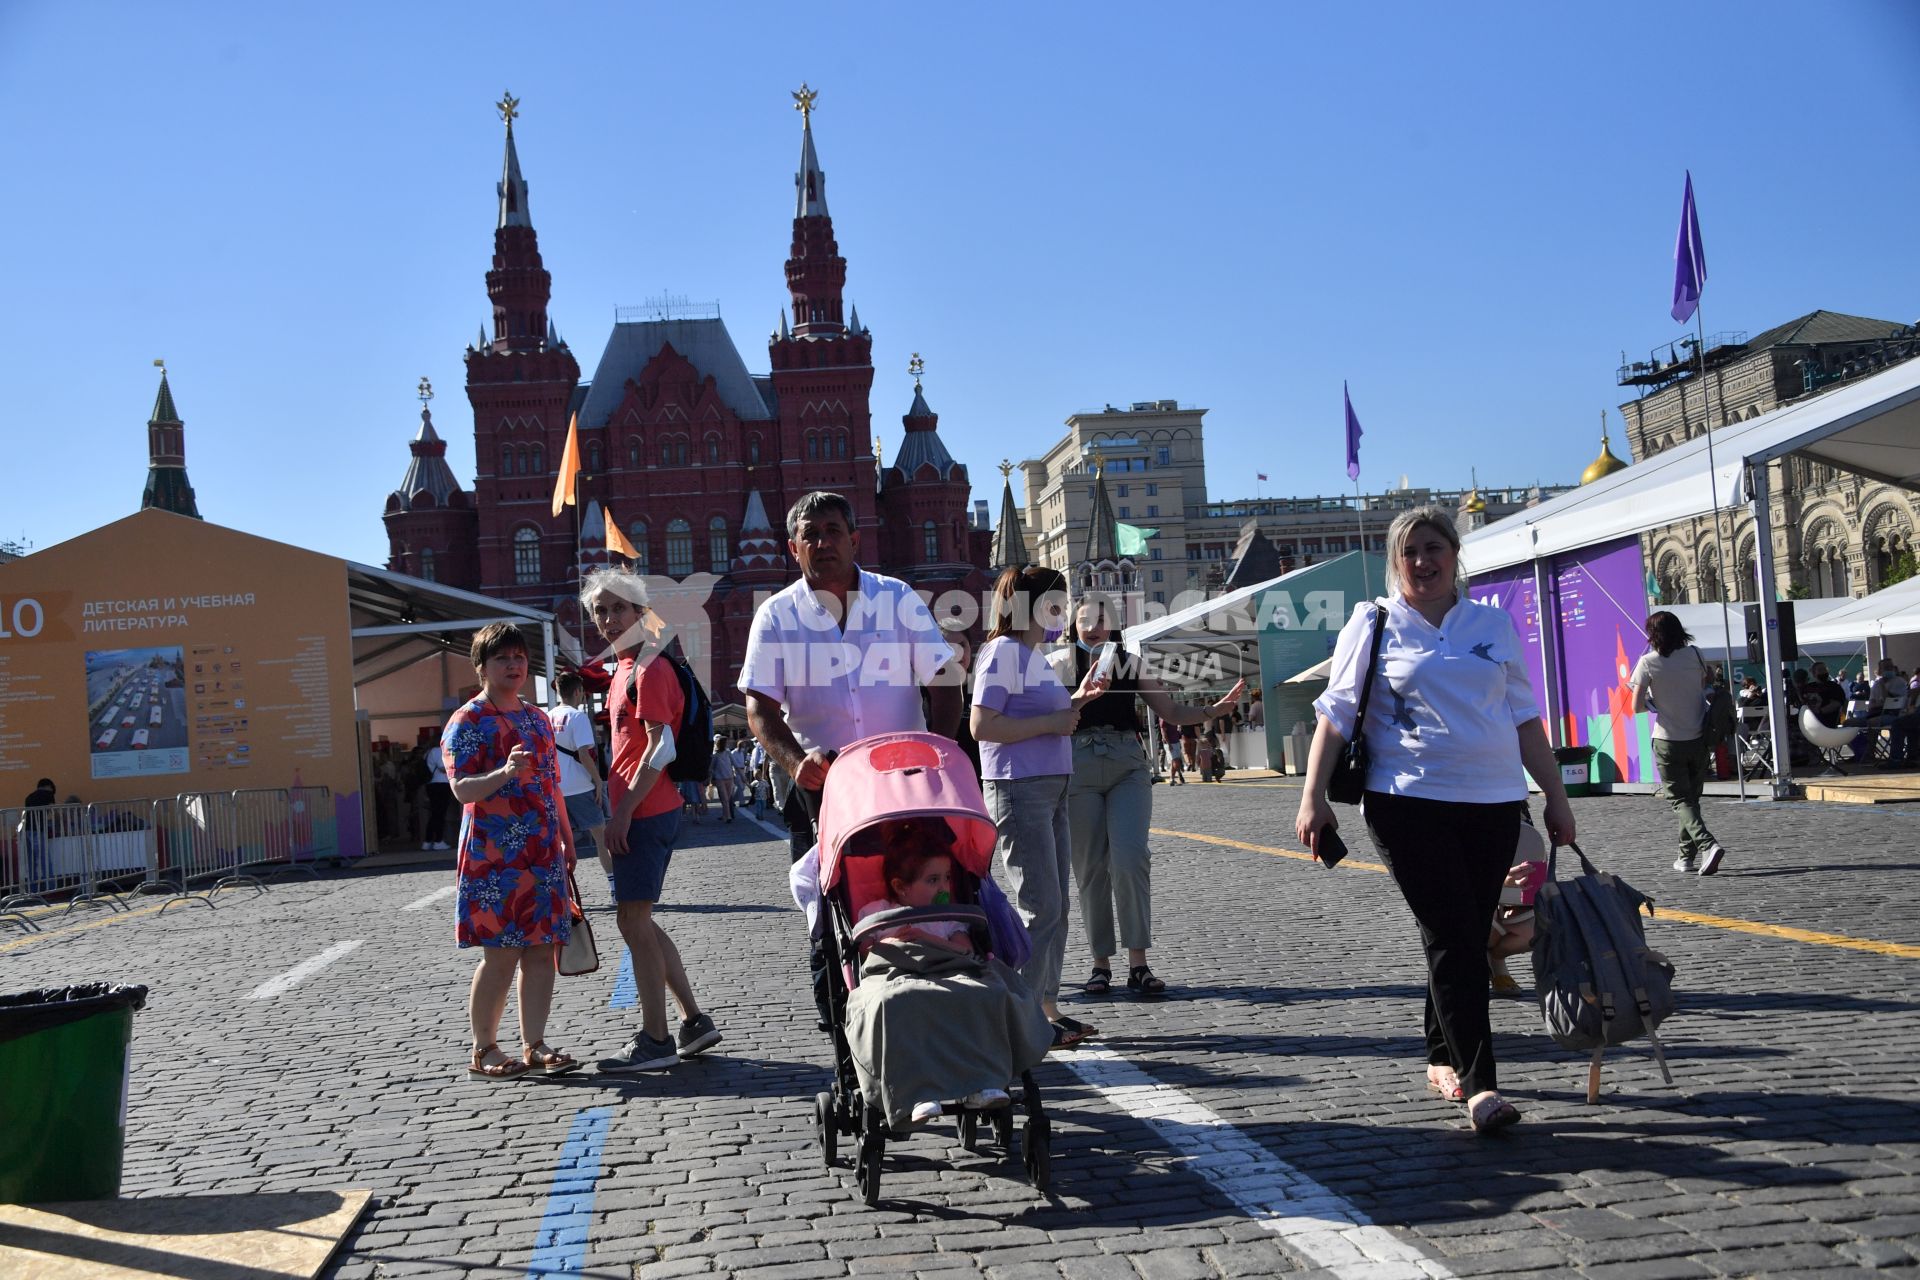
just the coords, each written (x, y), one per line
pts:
(1824, 326)
(1871, 427)
(1890, 611)
(382, 598)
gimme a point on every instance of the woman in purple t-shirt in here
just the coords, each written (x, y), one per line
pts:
(1023, 718)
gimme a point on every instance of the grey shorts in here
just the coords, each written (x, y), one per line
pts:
(584, 812)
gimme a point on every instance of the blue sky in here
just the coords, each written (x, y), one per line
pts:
(1465, 211)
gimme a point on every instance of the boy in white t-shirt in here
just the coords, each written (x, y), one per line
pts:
(579, 766)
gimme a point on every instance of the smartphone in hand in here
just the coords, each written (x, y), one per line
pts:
(1328, 847)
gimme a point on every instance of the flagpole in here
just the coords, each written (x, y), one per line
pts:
(1719, 551)
(1360, 509)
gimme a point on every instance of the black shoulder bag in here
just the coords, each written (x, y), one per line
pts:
(1349, 781)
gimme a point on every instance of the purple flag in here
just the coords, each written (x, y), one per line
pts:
(1689, 260)
(1353, 436)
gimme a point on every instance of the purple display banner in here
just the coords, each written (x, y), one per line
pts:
(1598, 611)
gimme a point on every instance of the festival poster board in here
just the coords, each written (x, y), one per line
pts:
(1299, 618)
(1597, 608)
(160, 655)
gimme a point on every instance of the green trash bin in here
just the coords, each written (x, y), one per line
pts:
(1576, 769)
(63, 1091)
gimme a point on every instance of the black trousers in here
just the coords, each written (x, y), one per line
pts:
(800, 838)
(1450, 860)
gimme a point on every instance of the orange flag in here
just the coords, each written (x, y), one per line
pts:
(616, 540)
(569, 468)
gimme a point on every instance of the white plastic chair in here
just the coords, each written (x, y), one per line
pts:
(1828, 740)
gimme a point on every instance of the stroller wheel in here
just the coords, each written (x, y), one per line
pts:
(824, 1123)
(1037, 1156)
(969, 1129)
(867, 1168)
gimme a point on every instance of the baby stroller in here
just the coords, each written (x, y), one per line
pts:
(875, 781)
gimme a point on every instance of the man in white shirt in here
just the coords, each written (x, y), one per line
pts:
(840, 655)
(579, 767)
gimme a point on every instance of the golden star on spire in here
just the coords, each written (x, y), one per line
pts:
(509, 109)
(803, 98)
(1006, 468)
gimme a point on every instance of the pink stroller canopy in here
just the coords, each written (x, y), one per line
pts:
(903, 775)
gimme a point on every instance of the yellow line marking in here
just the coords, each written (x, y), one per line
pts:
(115, 918)
(1296, 854)
(1905, 950)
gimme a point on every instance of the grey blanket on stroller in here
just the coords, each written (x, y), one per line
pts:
(931, 1025)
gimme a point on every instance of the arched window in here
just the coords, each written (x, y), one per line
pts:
(679, 548)
(839, 444)
(666, 453)
(680, 451)
(538, 461)
(930, 541)
(637, 535)
(633, 451)
(1745, 571)
(506, 461)
(526, 556)
(753, 451)
(717, 554)
(426, 564)
(1709, 575)
(813, 447)
(1671, 581)
(593, 456)
(713, 449)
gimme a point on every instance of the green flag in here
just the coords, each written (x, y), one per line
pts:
(1131, 539)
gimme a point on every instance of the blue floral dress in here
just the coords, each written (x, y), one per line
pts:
(513, 867)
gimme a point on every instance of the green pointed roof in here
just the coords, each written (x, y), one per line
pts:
(163, 410)
(1102, 540)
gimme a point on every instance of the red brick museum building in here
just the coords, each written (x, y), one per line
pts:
(692, 455)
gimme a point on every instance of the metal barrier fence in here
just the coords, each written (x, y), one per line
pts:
(192, 845)
(64, 850)
(206, 841)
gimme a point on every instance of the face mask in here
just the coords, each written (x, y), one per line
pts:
(1084, 647)
(1054, 633)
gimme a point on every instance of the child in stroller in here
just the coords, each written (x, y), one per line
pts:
(926, 1018)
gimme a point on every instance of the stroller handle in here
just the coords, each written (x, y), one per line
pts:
(807, 800)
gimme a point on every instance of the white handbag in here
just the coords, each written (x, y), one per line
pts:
(578, 955)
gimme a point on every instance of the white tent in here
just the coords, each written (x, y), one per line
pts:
(1871, 427)
(1711, 624)
(1891, 611)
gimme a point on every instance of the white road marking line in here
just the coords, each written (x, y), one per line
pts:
(302, 971)
(1325, 1229)
(778, 833)
(421, 904)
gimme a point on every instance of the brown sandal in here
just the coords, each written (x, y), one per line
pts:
(548, 1061)
(506, 1069)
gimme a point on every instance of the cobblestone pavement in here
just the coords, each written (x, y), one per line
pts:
(1272, 1119)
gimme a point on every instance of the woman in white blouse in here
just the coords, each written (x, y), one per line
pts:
(1450, 722)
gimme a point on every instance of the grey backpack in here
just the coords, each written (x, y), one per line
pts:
(1599, 982)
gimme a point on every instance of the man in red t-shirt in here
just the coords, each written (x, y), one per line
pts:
(644, 708)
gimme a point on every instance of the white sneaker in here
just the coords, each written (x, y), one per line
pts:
(986, 1100)
(925, 1111)
(1711, 863)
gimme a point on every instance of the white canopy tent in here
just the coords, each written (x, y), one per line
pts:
(1711, 624)
(1871, 427)
(1892, 611)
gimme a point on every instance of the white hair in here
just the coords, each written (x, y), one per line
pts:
(618, 581)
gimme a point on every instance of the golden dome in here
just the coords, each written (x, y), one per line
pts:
(1475, 503)
(1604, 465)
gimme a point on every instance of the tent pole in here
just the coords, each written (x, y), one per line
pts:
(1719, 551)
(1761, 502)
(1549, 659)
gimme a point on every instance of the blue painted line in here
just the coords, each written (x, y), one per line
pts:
(560, 1246)
(626, 992)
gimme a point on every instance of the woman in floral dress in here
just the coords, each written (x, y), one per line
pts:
(516, 849)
